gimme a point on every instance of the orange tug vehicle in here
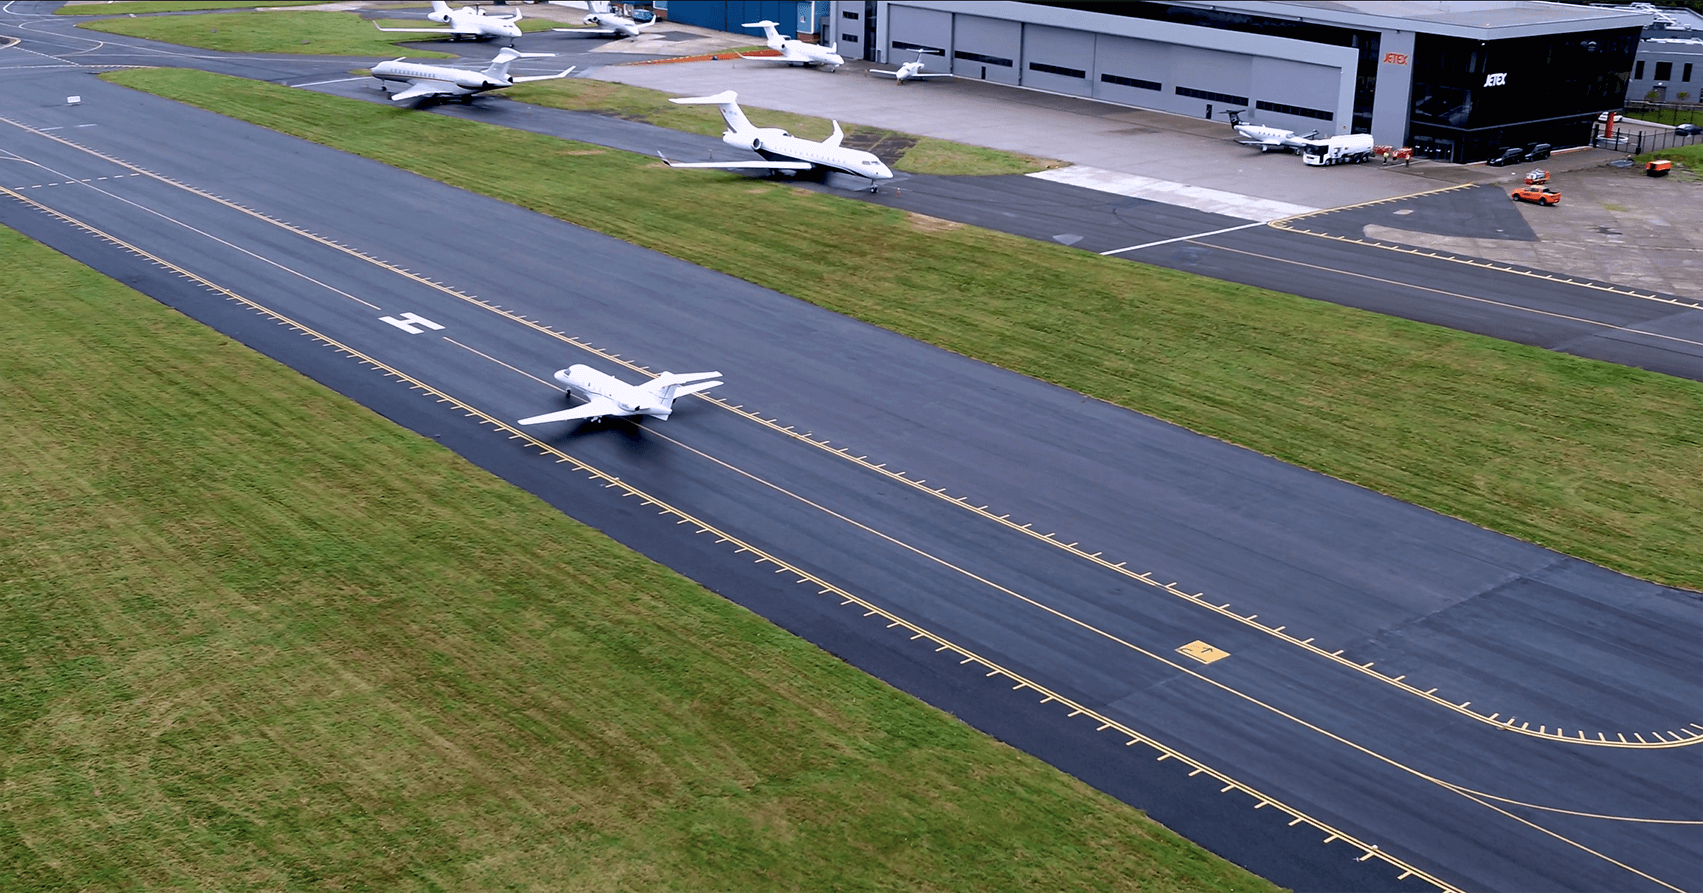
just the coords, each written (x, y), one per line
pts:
(1542, 195)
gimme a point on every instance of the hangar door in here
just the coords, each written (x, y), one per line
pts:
(910, 29)
(1131, 71)
(1058, 59)
(986, 49)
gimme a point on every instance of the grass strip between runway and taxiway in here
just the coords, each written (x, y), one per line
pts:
(255, 636)
(1594, 459)
(928, 155)
(310, 32)
(145, 7)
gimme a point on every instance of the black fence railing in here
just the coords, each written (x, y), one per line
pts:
(1667, 112)
(1639, 142)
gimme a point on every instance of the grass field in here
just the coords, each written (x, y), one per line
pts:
(1596, 460)
(1691, 156)
(1668, 116)
(143, 7)
(312, 32)
(255, 637)
(1586, 457)
(927, 156)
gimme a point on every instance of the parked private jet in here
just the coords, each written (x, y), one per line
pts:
(466, 23)
(1267, 139)
(605, 23)
(443, 82)
(911, 70)
(793, 51)
(605, 395)
(782, 151)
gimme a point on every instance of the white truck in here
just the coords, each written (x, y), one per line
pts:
(1348, 148)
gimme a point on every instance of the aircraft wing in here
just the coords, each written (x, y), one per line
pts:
(545, 77)
(933, 74)
(884, 73)
(783, 57)
(416, 30)
(423, 87)
(742, 165)
(597, 406)
(589, 32)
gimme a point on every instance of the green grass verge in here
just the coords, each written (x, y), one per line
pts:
(1668, 116)
(1691, 156)
(143, 7)
(255, 637)
(1594, 459)
(313, 32)
(927, 156)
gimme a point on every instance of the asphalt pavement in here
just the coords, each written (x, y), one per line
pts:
(1407, 701)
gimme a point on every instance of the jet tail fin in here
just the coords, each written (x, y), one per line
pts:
(500, 65)
(769, 31)
(730, 111)
(668, 386)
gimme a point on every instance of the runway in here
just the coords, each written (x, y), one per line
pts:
(1407, 702)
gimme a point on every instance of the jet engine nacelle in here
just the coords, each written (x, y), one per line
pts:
(439, 17)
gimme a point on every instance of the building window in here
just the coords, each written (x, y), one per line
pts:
(1664, 71)
(1131, 82)
(1058, 69)
(1300, 111)
(1215, 97)
(985, 60)
(916, 47)
(849, 38)
(846, 13)
(1686, 72)
(1638, 70)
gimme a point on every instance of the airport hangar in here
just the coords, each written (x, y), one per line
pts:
(1456, 80)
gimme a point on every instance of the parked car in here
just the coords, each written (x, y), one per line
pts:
(1688, 130)
(1507, 156)
(1537, 151)
(1542, 195)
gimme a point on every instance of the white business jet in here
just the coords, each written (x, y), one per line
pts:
(606, 395)
(605, 23)
(911, 70)
(782, 151)
(794, 51)
(1267, 139)
(443, 82)
(466, 23)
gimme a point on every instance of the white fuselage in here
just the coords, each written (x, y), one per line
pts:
(907, 71)
(1268, 138)
(584, 383)
(808, 53)
(772, 142)
(457, 81)
(623, 27)
(470, 21)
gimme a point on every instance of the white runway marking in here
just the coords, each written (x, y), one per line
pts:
(1200, 198)
(1228, 229)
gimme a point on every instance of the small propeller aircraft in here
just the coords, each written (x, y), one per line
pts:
(605, 23)
(782, 151)
(439, 82)
(605, 395)
(466, 23)
(793, 51)
(1267, 139)
(911, 70)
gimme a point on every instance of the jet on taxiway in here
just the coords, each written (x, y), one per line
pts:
(466, 23)
(605, 23)
(782, 151)
(911, 71)
(443, 82)
(794, 51)
(605, 395)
